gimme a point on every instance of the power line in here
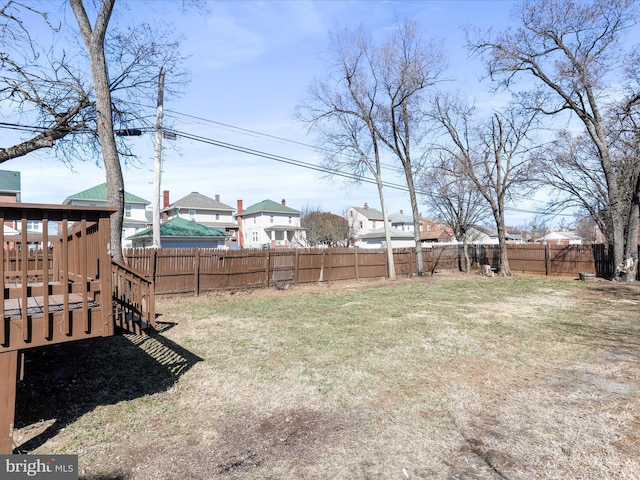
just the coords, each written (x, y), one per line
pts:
(269, 156)
(310, 166)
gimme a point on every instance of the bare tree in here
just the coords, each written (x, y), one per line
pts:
(574, 53)
(494, 154)
(48, 88)
(69, 111)
(455, 199)
(407, 67)
(343, 109)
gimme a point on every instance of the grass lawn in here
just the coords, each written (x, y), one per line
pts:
(439, 377)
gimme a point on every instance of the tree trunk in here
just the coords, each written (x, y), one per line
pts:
(391, 268)
(94, 41)
(465, 251)
(627, 272)
(503, 259)
(416, 218)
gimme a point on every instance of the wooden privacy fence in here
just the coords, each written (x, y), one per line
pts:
(193, 270)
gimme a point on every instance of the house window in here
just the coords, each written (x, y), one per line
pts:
(361, 224)
(374, 224)
(33, 225)
(255, 236)
(428, 227)
(217, 217)
(290, 220)
(127, 211)
(271, 219)
(192, 215)
(254, 220)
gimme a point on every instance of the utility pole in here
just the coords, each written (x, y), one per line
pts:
(158, 163)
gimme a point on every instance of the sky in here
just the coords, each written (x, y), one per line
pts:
(250, 64)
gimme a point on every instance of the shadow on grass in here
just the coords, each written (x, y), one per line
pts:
(66, 380)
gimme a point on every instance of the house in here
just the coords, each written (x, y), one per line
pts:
(135, 219)
(480, 234)
(269, 224)
(10, 193)
(377, 239)
(9, 186)
(362, 221)
(403, 222)
(181, 233)
(435, 232)
(562, 237)
(203, 210)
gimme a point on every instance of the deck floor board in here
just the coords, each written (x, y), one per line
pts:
(35, 305)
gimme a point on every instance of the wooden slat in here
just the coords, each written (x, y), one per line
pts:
(46, 325)
(25, 267)
(64, 277)
(83, 269)
(8, 381)
(3, 328)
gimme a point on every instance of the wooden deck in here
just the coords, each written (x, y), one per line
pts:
(59, 286)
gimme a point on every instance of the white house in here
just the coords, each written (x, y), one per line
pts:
(363, 221)
(482, 235)
(562, 237)
(135, 219)
(269, 224)
(377, 239)
(203, 210)
(403, 222)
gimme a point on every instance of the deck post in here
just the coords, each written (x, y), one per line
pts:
(8, 382)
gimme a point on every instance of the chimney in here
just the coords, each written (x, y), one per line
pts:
(284, 202)
(239, 220)
(366, 206)
(217, 197)
(165, 204)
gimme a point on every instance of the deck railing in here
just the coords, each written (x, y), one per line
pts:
(57, 281)
(133, 298)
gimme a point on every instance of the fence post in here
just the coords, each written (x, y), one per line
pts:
(267, 266)
(547, 259)
(296, 267)
(197, 272)
(355, 256)
(154, 265)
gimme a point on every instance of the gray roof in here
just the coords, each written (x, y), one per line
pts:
(400, 218)
(369, 213)
(394, 232)
(197, 201)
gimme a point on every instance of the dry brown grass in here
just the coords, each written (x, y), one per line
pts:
(448, 377)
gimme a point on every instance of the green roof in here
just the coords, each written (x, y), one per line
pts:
(268, 206)
(180, 227)
(99, 194)
(9, 181)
